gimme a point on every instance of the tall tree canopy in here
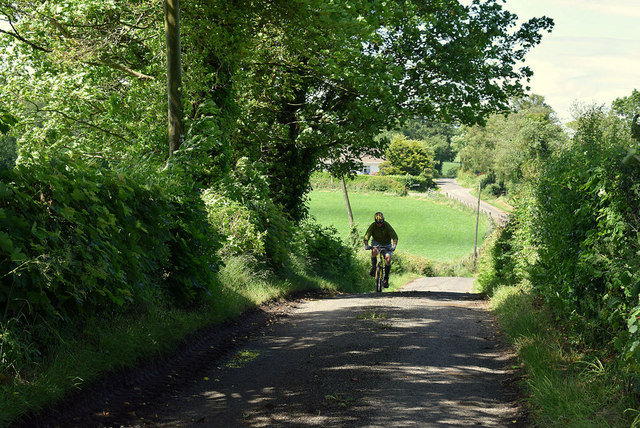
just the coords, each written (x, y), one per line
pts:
(285, 83)
(508, 146)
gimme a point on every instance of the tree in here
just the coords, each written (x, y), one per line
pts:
(285, 83)
(435, 136)
(407, 157)
(509, 145)
(627, 107)
(325, 85)
(83, 78)
(174, 73)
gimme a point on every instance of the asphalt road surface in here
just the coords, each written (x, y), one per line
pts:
(451, 189)
(427, 356)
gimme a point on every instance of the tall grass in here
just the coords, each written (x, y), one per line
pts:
(565, 386)
(426, 227)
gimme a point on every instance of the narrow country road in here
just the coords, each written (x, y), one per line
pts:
(425, 356)
(453, 190)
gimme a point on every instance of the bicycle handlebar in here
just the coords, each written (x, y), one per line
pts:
(379, 247)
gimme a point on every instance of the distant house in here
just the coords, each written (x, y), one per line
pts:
(370, 166)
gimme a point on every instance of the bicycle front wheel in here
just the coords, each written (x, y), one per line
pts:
(379, 278)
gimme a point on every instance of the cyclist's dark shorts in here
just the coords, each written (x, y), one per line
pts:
(386, 249)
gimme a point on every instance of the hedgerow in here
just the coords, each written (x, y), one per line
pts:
(76, 240)
(574, 238)
(397, 184)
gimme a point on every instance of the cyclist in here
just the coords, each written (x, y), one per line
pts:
(382, 234)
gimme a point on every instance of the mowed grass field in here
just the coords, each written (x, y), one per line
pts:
(425, 228)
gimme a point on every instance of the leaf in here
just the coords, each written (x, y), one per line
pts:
(77, 194)
(6, 244)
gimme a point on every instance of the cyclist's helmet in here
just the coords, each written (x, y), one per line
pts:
(378, 217)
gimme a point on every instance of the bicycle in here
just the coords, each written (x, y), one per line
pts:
(380, 265)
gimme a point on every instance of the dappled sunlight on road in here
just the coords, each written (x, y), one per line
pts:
(425, 357)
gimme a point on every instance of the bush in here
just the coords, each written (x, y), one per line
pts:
(576, 236)
(414, 183)
(247, 186)
(415, 264)
(494, 189)
(76, 240)
(497, 263)
(398, 184)
(408, 157)
(324, 251)
(232, 221)
(383, 183)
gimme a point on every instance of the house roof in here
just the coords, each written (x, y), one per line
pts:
(368, 160)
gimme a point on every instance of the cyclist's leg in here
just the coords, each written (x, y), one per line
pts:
(387, 267)
(374, 255)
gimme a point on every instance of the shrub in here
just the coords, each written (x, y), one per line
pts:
(324, 251)
(232, 221)
(494, 189)
(408, 157)
(414, 183)
(577, 231)
(497, 263)
(76, 240)
(383, 183)
(247, 186)
(415, 264)
(398, 184)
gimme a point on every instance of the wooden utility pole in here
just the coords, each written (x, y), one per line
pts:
(346, 201)
(174, 73)
(475, 244)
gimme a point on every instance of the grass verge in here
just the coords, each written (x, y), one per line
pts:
(566, 386)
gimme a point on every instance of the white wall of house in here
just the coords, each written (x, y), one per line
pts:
(370, 166)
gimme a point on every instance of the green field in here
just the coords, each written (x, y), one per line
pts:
(425, 228)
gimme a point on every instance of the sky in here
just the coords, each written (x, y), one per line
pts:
(592, 56)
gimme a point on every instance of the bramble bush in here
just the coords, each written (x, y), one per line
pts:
(325, 252)
(233, 223)
(248, 185)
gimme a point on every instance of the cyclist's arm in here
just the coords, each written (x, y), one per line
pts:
(367, 235)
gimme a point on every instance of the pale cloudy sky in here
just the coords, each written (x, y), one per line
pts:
(591, 56)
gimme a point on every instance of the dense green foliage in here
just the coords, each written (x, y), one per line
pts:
(98, 220)
(573, 239)
(408, 157)
(394, 184)
(76, 241)
(587, 201)
(287, 84)
(434, 137)
(509, 147)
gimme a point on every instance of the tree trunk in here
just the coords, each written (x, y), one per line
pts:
(346, 201)
(174, 73)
